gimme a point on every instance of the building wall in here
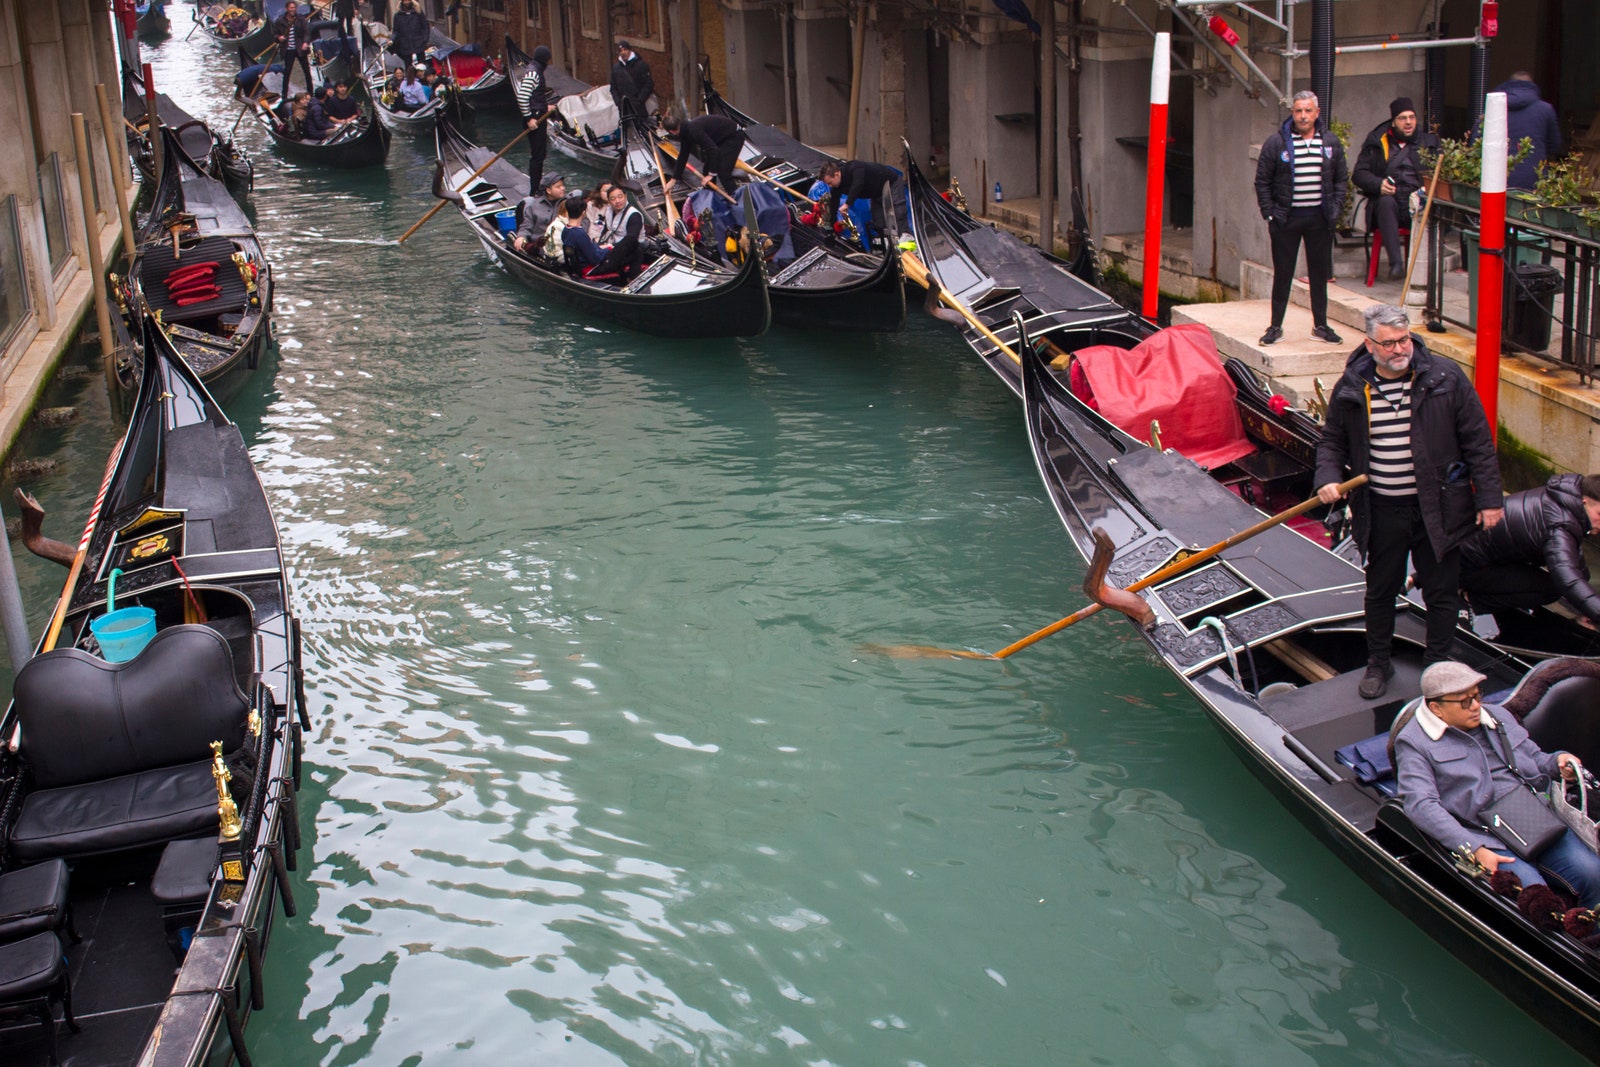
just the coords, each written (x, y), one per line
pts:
(990, 79)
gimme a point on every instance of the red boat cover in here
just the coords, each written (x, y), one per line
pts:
(1176, 377)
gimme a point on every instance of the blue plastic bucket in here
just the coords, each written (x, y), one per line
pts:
(507, 221)
(124, 633)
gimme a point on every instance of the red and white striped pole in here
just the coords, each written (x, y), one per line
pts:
(1491, 257)
(1156, 172)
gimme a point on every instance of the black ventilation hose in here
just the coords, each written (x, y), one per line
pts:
(1480, 84)
(1433, 81)
(1322, 56)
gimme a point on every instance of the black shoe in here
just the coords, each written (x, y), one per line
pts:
(1397, 274)
(1325, 333)
(1375, 682)
(1273, 335)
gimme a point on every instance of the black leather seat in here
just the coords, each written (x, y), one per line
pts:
(34, 899)
(120, 752)
(33, 976)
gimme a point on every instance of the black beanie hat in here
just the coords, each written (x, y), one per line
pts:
(541, 55)
(1400, 107)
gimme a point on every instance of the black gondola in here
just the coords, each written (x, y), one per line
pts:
(363, 143)
(211, 152)
(167, 780)
(244, 25)
(481, 82)
(827, 283)
(1269, 638)
(151, 18)
(578, 140)
(449, 103)
(673, 296)
(200, 270)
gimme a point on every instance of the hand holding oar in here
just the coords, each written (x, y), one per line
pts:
(705, 181)
(434, 210)
(918, 273)
(1110, 597)
(748, 169)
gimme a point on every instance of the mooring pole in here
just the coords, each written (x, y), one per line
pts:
(1491, 257)
(11, 614)
(91, 233)
(1156, 172)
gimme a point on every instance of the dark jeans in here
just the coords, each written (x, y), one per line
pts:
(1507, 587)
(538, 148)
(1394, 533)
(1391, 214)
(1313, 229)
(304, 61)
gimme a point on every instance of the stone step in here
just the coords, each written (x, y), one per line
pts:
(1238, 326)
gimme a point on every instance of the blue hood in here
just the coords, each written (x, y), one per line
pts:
(1519, 94)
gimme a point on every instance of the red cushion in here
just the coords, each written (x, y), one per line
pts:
(1176, 377)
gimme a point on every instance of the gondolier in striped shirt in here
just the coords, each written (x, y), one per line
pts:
(1300, 187)
(1410, 421)
(294, 43)
(533, 100)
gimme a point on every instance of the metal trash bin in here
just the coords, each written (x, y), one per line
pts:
(1531, 305)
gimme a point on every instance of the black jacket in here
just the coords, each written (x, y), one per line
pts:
(294, 33)
(861, 180)
(1457, 472)
(1275, 176)
(1544, 527)
(632, 82)
(409, 34)
(1384, 155)
(708, 138)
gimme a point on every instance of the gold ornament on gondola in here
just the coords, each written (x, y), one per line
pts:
(146, 547)
(229, 826)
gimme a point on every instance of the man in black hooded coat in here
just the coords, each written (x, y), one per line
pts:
(1535, 555)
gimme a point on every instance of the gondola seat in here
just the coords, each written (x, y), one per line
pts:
(33, 976)
(158, 262)
(120, 752)
(34, 899)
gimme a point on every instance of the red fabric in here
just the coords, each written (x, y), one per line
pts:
(181, 274)
(199, 297)
(466, 69)
(1176, 377)
(1080, 386)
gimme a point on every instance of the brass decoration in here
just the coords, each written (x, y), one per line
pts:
(254, 722)
(149, 517)
(233, 870)
(227, 811)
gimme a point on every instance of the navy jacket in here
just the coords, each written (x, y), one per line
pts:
(1529, 116)
(1275, 175)
(1457, 472)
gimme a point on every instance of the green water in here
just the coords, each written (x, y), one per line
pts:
(600, 773)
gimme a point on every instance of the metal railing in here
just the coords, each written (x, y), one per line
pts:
(1576, 258)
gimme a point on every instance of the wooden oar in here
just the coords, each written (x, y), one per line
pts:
(1421, 229)
(748, 169)
(251, 96)
(434, 210)
(918, 273)
(1171, 570)
(661, 173)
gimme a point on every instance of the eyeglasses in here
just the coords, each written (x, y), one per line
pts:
(1390, 346)
(1474, 697)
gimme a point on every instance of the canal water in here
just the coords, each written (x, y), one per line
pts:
(601, 773)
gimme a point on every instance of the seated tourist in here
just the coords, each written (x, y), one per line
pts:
(1456, 755)
(316, 125)
(622, 225)
(341, 107)
(412, 94)
(535, 212)
(566, 239)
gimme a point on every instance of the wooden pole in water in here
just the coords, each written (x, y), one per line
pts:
(91, 234)
(117, 155)
(153, 127)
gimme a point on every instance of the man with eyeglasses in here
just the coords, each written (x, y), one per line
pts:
(1455, 755)
(1410, 421)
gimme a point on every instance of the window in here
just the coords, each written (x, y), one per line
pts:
(14, 303)
(492, 7)
(589, 17)
(639, 19)
(55, 213)
(535, 12)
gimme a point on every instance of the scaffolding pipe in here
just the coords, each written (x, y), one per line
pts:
(1204, 42)
(1400, 46)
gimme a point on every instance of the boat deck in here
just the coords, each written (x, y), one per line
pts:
(120, 981)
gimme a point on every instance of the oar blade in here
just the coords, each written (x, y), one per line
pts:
(920, 652)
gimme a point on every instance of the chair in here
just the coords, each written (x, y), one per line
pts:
(33, 900)
(1375, 251)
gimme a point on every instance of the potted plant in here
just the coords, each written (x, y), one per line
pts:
(1561, 187)
(1462, 166)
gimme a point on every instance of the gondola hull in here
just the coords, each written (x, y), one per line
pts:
(184, 529)
(1277, 673)
(366, 146)
(215, 155)
(873, 302)
(673, 297)
(223, 337)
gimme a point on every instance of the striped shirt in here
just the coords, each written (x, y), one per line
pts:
(1391, 472)
(531, 99)
(1307, 170)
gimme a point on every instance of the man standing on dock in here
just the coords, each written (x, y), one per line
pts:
(1300, 188)
(1409, 421)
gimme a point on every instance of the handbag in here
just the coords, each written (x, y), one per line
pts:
(1576, 816)
(1520, 817)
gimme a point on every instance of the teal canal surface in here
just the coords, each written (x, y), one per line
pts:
(600, 773)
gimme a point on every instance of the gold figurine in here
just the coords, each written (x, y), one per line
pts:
(227, 810)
